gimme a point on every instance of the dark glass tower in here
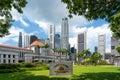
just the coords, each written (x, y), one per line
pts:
(20, 40)
(33, 38)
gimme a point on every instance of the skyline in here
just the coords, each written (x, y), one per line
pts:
(36, 22)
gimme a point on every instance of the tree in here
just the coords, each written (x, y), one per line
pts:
(118, 49)
(86, 53)
(67, 52)
(6, 16)
(80, 56)
(95, 58)
(46, 46)
(97, 9)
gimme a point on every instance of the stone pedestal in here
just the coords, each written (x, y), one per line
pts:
(61, 68)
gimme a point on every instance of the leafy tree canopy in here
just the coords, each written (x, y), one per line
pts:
(97, 9)
(118, 49)
(6, 16)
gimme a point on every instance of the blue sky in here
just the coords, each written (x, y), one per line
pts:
(39, 14)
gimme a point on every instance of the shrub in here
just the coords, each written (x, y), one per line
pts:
(9, 66)
(103, 62)
(29, 65)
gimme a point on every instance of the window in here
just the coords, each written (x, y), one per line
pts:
(112, 47)
(9, 56)
(4, 61)
(13, 61)
(13, 56)
(9, 61)
(4, 56)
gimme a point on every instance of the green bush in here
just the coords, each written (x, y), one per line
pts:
(9, 66)
(10, 70)
(103, 62)
(29, 65)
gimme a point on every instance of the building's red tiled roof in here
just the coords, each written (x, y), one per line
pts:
(37, 43)
(7, 46)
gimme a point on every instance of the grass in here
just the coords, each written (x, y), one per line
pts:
(79, 73)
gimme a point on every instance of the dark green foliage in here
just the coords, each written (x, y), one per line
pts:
(5, 12)
(97, 9)
(29, 65)
(96, 58)
(118, 49)
(103, 62)
(98, 76)
(9, 66)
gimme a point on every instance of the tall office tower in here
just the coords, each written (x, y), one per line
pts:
(33, 38)
(51, 36)
(95, 49)
(81, 41)
(64, 34)
(26, 41)
(20, 40)
(57, 41)
(101, 45)
(114, 43)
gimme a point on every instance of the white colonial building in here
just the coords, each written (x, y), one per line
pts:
(35, 52)
(10, 54)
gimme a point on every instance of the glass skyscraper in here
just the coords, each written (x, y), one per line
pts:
(64, 34)
(20, 40)
(81, 41)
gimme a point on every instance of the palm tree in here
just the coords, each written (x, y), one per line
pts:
(60, 52)
(86, 53)
(96, 57)
(67, 51)
(46, 47)
(54, 50)
(80, 56)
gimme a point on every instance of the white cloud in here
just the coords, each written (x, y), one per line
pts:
(16, 15)
(43, 25)
(23, 22)
(14, 33)
(92, 36)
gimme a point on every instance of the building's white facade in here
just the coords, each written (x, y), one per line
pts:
(114, 44)
(26, 41)
(64, 34)
(9, 54)
(102, 45)
(51, 36)
(81, 41)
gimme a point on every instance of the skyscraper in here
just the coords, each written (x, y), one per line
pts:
(81, 41)
(95, 49)
(33, 38)
(20, 40)
(57, 41)
(51, 36)
(64, 34)
(26, 40)
(101, 45)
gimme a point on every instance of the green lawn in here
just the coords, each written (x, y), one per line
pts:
(79, 73)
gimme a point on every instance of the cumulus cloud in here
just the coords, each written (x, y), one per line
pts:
(92, 36)
(23, 22)
(43, 25)
(15, 14)
(14, 33)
